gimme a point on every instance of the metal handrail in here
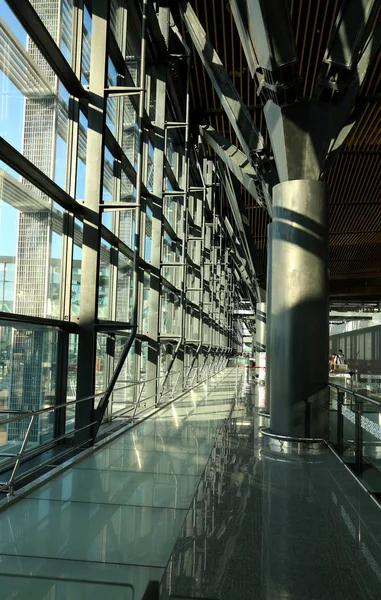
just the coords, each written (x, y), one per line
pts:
(22, 454)
(23, 414)
(359, 401)
(354, 393)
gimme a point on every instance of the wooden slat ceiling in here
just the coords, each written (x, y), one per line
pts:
(354, 179)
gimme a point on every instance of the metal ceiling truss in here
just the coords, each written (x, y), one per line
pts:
(319, 67)
(247, 133)
(354, 43)
(239, 165)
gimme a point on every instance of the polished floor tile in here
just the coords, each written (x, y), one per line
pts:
(90, 532)
(129, 459)
(175, 444)
(314, 582)
(203, 430)
(129, 576)
(120, 487)
(107, 526)
(270, 526)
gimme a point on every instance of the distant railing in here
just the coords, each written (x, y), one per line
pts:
(357, 426)
(13, 460)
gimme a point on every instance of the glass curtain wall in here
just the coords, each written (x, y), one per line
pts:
(107, 242)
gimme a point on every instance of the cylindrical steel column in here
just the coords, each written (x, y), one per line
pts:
(268, 323)
(261, 327)
(299, 310)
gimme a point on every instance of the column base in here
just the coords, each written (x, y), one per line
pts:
(264, 413)
(285, 443)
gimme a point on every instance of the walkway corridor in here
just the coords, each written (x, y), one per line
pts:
(112, 519)
(196, 498)
(266, 525)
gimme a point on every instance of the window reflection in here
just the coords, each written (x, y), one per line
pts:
(34, 104)
(31, 228)
(28, 370)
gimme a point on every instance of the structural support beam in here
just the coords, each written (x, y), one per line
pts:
(24, 167)
(239, 165)
(157, 217)
(242, 224)
(300, 134)
(249, 136)
(36, 29)
(267, 38)
(270, 32)
(239, 12)
(92, 223)
(342, 109)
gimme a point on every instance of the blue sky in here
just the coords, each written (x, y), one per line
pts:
(11, 129)
(11, 113)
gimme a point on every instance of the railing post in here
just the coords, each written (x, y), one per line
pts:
(20, 455)
(358, 437)
(137, 403)
(340, 421)
(175, 386)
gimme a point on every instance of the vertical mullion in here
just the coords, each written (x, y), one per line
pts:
(92, 219)
(137, 270)
(202, 275)
(121, 38)
(154, 321)
(68, 224)
(180, 361)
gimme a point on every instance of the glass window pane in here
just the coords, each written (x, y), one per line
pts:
(71, 393)
(148, 236)
(34, 115)
(127, 227)
(101, 364)
(86, 47)
(170, 313)
(31, 228)
(77, 265)
(123, 398)
(28, 370)
(146, 296)
(81, 160)
(117, 22)
(124, 289)
(104, 280)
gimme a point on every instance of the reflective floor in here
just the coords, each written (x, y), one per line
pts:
(107, 526)
(271, 526)
(196, 498)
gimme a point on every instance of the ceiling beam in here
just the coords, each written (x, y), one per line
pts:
(249, 136)
(239, 12)
(244, 235)
(238, 164)
(270, 31)
(35, 28)
(359, 59)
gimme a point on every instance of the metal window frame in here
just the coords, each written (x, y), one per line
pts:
(205, 327)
